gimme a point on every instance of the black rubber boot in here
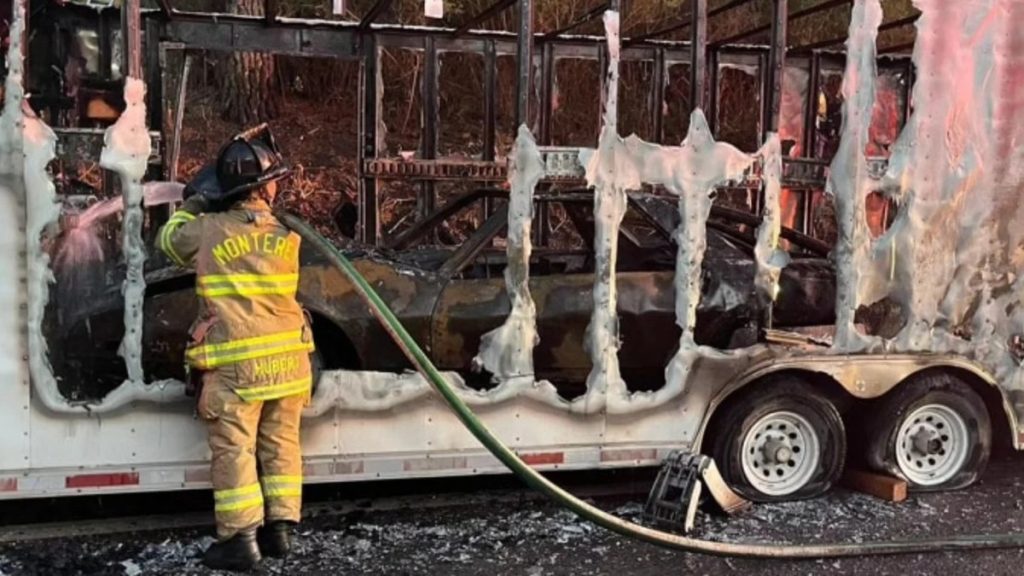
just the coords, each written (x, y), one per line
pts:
(275, 539)
(239, 553)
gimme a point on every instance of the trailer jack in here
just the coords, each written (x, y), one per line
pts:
(672, 503)
(590, 512)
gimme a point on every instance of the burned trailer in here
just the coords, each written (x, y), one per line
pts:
(732, 327)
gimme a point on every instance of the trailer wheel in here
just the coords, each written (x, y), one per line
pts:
(934, 432)
(783, 441)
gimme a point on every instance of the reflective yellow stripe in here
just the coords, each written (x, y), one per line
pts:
(249, 496)
(259, 278)
(252, 502)
(247, 291)
(213, 286)
(219, 495)
(247, 342)
(281, 492)
(177, 220)
(275, 391)
(222, 360)
(282, 486)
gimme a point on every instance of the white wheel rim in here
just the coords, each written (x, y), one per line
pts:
(932, 445)
(781, 453)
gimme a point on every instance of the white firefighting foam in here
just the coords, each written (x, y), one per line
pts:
(770, 259)
(610, 178)
(957, 240)
(848, 180)
(126, 149)
(12, 292)
(507, 351)
(953, 260)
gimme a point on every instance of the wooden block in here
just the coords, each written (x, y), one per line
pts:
(877, 485)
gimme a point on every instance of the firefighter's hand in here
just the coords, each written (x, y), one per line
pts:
(196, 204)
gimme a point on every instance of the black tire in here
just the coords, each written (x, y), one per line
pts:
(737, 417)
(888, 415)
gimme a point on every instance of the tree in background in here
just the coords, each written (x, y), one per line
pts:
(249, 86)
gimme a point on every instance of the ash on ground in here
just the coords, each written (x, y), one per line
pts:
(484, 537)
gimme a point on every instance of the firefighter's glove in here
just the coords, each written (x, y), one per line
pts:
(196, 204)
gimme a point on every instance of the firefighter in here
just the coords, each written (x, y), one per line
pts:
(250, 346)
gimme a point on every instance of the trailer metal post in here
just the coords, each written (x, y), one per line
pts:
(776, 67)
(428, 145)
(542, 231)
(547, 87)
(658, 73)
(105, 48)
(270, 8)
(698, 54)
(369, 116)
(714, 75)
(490, 111)
(374, 13)
(524, 58)
(490, 99)
(131, 25)
(154, 83)
(811, 113)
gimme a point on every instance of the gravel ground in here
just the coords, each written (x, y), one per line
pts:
(533, 538)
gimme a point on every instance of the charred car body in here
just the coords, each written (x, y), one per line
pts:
(448, 297)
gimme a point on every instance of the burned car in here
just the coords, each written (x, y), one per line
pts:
(449, 296)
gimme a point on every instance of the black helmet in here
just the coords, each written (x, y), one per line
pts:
(249, 160)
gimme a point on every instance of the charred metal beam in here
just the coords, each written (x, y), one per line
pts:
(714, 80)
(828, 5)
(584, 19)
(547, 87)
(131, 26)
(369, 116)
(811, 112)
(233, 32)
(897, 48)
(492, 11)
(841, 39)
(490, 111)
(153, 69)
(376, 10)
(270, 8)
(775, 65)
(435, 218)
(698, 54)
(490, 99)
(524, 61)
(431, 105)
(658, 96)
(165, 8)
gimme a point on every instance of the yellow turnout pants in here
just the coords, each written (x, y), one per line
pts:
(256, 460)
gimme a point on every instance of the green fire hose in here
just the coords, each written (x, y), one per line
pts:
(538, 482)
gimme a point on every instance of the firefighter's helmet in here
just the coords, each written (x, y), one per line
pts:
(249, 160)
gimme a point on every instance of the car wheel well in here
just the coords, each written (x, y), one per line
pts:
(336, 350)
